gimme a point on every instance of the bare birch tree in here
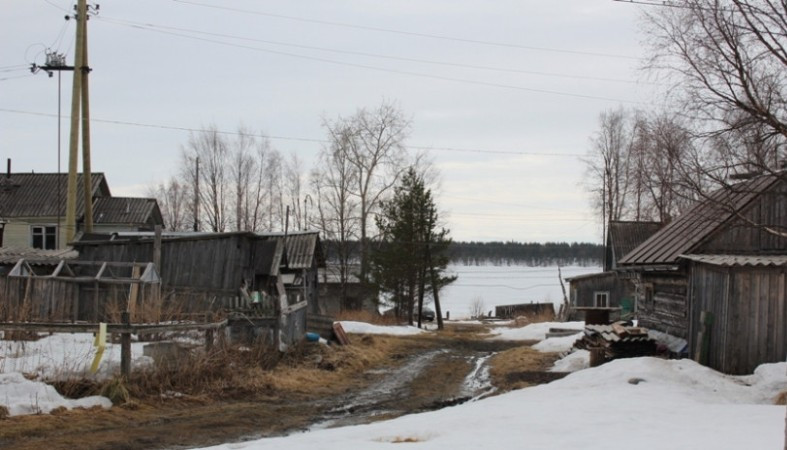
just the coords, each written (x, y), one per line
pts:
(728, 64)
(374, 144)
(337, 209)
(243, 169)
(173, 199)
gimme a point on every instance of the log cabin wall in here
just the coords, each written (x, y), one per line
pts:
(661, 302)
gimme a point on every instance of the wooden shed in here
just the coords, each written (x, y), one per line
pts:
(202, 271)
(688, 267)
(743, 299)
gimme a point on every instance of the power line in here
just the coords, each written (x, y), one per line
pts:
(16, 77)
(653, 3)
(396, 71)
(365, 54)
(406, 33)
(533, 286)
(285, 138)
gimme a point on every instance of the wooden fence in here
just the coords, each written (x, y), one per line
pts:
(541, 310)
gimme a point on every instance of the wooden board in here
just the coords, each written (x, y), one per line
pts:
(339, 334)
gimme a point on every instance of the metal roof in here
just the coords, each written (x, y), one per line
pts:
(126, 210)
(685, 233)
(36, 194)
(740, 260)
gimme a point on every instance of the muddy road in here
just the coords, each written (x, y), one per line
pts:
(417, 374)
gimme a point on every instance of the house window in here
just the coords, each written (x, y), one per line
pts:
(601, 299)
(44, 237)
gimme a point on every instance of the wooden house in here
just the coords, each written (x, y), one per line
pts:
(723, 260)
(354, 292)
(610, 288)
(33, 210)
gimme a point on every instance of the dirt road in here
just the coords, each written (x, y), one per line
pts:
(417, 374)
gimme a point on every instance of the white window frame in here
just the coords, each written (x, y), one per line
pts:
(601, 294)
(42, 227)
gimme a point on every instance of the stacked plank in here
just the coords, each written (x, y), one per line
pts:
(617, 341)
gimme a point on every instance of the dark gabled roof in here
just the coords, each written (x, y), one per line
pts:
(43, 194)
(689, 230)
(126, 210)
(626, 236)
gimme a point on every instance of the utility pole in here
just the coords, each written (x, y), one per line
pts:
(86, 171)
(196, 196)
(79, 98)
(73, 143)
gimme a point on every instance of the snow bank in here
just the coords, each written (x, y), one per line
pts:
(558, 344)
(367, 328)
(533, 332)
(22, 396)
(647, 402)
(572, 362)
(60, 356)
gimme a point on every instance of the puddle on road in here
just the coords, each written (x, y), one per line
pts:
(478, 383)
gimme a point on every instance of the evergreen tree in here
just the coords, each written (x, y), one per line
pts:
(407, 266)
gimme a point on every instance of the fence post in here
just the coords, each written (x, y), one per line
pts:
(125, 347)
(208, 339)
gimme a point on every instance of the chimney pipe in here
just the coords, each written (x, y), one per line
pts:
(8, 172)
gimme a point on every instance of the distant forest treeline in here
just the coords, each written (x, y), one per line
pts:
(511, 253)
(527, 253)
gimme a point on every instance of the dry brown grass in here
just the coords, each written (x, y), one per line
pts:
(517, 360)
(320, 369)
(781, 398)
(368, 317)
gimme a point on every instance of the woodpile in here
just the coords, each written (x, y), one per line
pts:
(608, 342)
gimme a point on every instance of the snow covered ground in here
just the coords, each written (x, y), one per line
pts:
(534, 331)
(367, 328)
(60, 356)
(22, 396)
(643, 403)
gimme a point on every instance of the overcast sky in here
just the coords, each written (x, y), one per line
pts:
(507, 93)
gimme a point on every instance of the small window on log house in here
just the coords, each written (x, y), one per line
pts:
(601, 299)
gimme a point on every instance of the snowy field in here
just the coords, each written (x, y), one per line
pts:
(505, 285)
(642, 403)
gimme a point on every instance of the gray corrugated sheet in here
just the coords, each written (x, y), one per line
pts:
(740, 260)
(36, 194)
(126, 210)
(10, 255)
(301, 250)
(626, 236)
(690, 229)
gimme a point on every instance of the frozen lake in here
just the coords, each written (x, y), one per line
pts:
(505, 285)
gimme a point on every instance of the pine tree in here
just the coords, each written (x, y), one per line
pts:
(407, 266)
